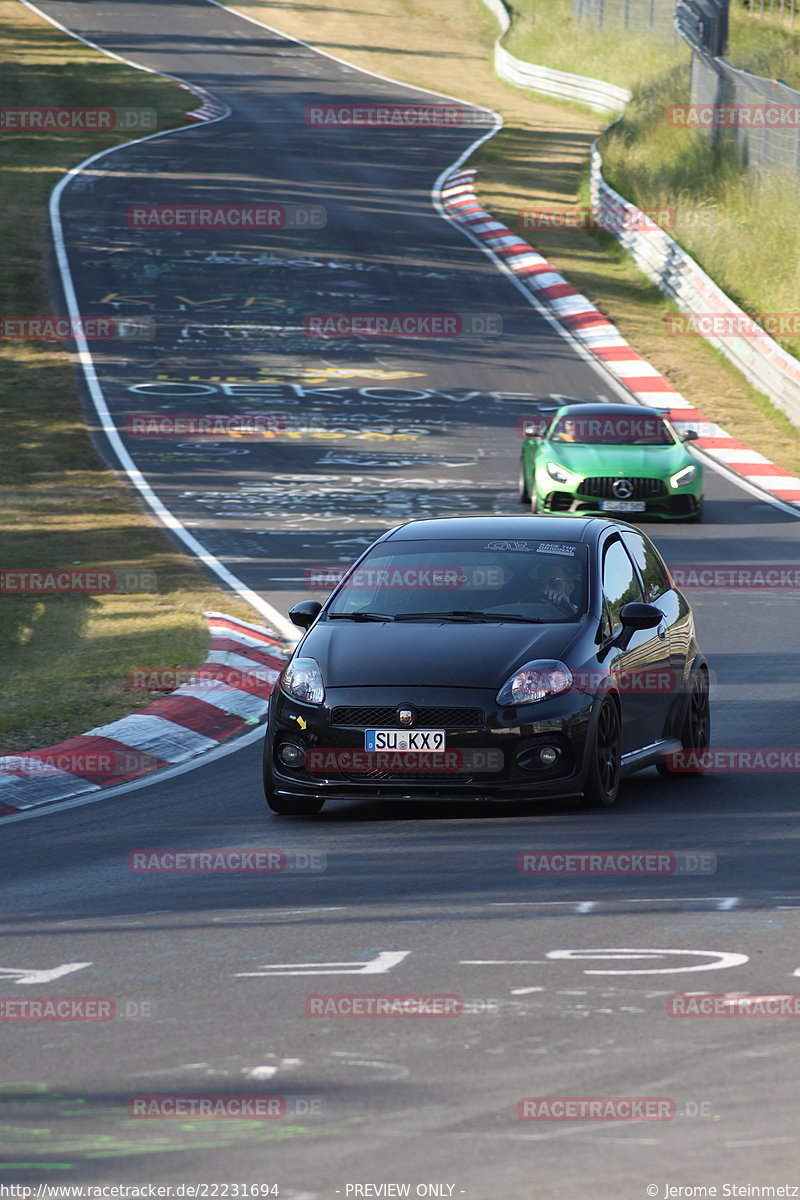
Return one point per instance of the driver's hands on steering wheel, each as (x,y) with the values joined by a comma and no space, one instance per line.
(556,589)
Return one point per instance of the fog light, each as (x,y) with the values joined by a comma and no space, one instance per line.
(290,754)
(539,758)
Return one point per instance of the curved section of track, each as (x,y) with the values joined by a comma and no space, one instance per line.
(214,970)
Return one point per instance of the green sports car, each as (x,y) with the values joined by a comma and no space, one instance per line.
(610,458)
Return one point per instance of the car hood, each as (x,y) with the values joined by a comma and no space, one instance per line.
(653,462)
(429,653)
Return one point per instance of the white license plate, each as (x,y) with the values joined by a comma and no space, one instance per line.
(409,740)
(623,506)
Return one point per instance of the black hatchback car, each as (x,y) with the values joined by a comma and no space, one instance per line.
(492,658)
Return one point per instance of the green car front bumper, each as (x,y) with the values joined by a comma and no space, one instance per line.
(649,496)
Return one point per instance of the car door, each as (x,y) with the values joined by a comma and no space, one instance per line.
(658,590)
(638,665)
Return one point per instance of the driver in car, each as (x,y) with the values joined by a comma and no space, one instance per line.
(557,582)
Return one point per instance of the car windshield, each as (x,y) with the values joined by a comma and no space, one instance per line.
(508,580)
(634,429)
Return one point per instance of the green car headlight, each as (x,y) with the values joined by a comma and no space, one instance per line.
(561,474)
(682,477)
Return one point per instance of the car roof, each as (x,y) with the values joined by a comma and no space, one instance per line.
(568,529)
(606,410)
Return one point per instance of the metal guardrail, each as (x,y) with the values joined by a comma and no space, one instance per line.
(761,360)
(594,93)
(769,367)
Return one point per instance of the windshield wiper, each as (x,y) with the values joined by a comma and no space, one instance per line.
(467,615)
(359,616)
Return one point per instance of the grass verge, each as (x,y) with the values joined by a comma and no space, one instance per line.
(742,228)
(66,659)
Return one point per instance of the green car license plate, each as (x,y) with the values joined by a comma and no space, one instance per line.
(623,505)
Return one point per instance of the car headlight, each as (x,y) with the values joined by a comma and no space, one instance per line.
(561,474)
(536,681)
(302,680)
(684,476)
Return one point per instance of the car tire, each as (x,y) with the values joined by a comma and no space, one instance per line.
(603,777)
(697,517)
(696,732)
(524,494)
(534,500)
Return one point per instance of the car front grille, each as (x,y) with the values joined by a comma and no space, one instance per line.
(426,718)
(643,489)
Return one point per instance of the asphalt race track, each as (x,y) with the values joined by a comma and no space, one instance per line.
(211,974)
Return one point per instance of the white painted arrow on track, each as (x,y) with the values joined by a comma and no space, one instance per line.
(379,965)
(28,975)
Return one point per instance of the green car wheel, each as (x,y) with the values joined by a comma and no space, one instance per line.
(524,494)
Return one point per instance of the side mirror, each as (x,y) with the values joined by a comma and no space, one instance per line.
(534,429)
(636,615)
(304,614)
(689,435)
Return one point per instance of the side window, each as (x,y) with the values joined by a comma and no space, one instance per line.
(620,584)
(653,572)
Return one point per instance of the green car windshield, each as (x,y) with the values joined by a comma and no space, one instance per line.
(614,429)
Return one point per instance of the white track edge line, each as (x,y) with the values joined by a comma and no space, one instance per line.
(157,507)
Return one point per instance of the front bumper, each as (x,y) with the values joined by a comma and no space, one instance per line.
(586,497)
(507,739)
